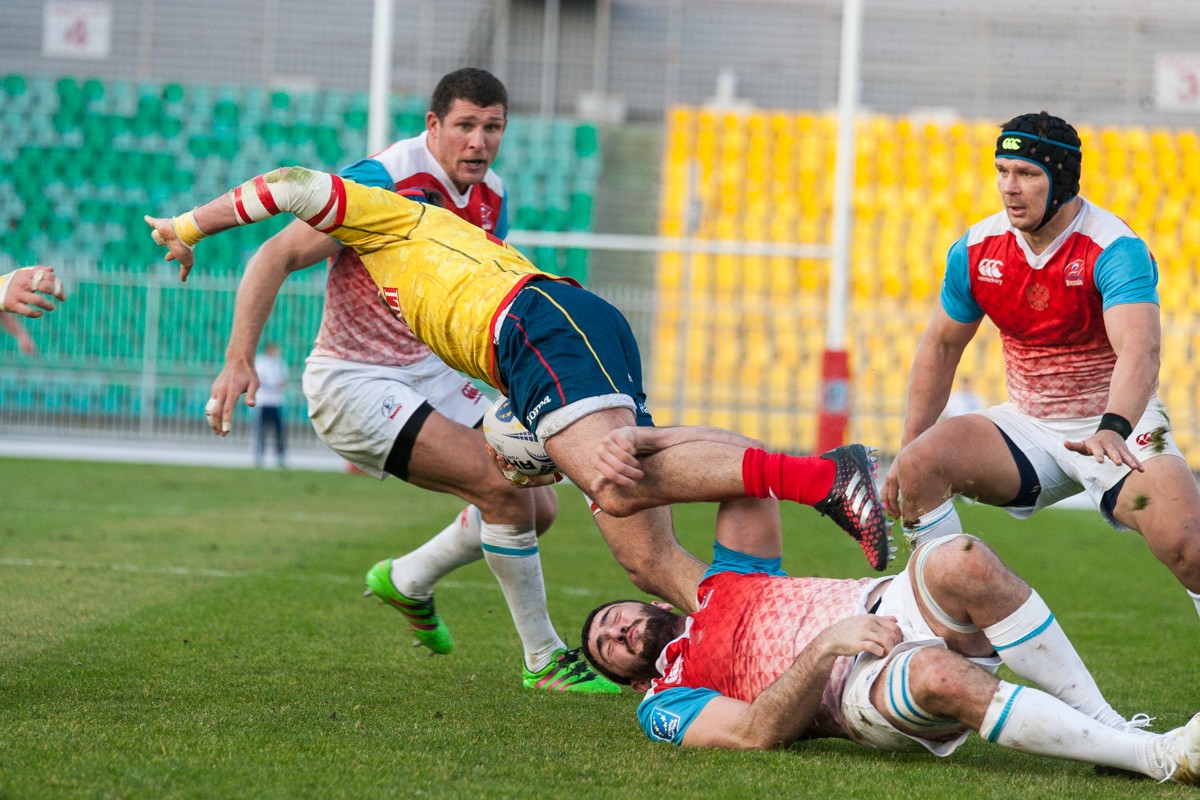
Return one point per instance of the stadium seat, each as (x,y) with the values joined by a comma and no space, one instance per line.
(919,184)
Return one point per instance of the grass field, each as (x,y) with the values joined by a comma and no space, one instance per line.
(176,632)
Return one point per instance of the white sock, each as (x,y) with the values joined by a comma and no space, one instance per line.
(1033,645)
(457,545)
(1030,721)
(1195,599)
(512,553)
(941,521)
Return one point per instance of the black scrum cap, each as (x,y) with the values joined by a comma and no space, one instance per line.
(1053,145)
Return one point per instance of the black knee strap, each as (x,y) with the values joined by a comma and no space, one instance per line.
(398,458)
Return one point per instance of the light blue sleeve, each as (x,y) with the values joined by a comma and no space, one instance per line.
(666,716)
(1126,273)
(501,231)
(726,560)
(369,172)
(956,286)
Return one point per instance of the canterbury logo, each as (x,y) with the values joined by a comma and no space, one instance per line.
(1010,143)
(991,268)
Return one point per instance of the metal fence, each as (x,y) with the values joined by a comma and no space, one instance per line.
(131,355)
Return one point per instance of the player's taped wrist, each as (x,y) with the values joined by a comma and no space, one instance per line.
(1115,423)
(187,230)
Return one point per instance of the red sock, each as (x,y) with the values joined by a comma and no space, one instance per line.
(803,479)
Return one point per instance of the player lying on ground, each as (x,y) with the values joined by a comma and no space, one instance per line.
(566,359)
(22,290)
(895,663)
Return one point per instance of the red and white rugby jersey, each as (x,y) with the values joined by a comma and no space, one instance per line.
(356,324)
(1049,308)
(750,628)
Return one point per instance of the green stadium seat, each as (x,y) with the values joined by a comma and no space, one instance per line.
(158,146)
(15,85)
(587,141)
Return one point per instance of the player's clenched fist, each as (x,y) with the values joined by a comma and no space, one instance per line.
(163,232)
(617,457)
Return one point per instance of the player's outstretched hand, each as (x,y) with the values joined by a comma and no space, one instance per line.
(163,234)
(1106,444)
(517,477)
(24,291)
(237,378)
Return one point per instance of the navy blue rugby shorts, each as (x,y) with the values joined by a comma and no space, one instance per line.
(560,344)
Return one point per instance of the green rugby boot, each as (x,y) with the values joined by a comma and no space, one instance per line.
(422,619)
(568,671)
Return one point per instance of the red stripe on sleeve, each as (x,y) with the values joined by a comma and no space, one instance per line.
(240,207)
(264,196)
(338,197)
(315,218)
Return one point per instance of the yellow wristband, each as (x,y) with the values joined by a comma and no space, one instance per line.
(187,230)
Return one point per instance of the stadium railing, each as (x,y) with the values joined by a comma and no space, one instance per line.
(81,160)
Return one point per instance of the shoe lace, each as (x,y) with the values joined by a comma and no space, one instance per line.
(1137,722)
(572,663)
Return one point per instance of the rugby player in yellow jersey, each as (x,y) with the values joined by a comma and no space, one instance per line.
(566,359)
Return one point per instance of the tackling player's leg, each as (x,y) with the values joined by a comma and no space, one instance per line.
(1163,504)
(962,454)
(502,525)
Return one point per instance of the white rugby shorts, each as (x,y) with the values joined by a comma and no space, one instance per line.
(1063,473)
(359,409)
(865,724)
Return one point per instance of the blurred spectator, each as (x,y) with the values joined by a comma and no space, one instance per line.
(268,411)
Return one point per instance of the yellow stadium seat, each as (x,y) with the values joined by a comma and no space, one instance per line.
(768,176)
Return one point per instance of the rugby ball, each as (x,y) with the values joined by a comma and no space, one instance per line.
(509,438)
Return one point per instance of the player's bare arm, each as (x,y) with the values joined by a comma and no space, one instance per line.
(292,190)
(27,291)
(783,712)
(1135,333)
(752,526)
(931,379)
(180,234)
(295,248)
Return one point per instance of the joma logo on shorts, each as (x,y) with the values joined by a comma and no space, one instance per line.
(532,415)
